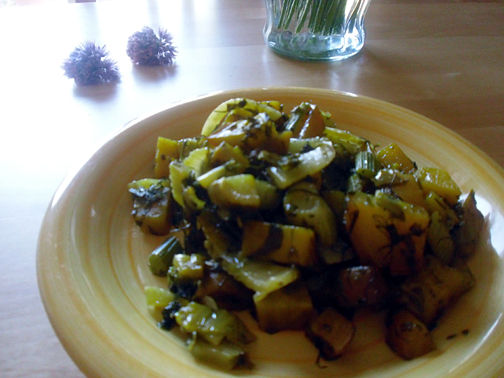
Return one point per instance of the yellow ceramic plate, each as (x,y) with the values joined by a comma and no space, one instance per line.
(92,258)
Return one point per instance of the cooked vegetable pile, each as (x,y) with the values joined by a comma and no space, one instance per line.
(300,223)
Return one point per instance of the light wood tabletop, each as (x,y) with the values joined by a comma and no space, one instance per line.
(442,59)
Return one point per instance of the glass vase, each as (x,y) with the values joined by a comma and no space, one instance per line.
(315,29)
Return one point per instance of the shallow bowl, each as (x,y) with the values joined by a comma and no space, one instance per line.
(92,269)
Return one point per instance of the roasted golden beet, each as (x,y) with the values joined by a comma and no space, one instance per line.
(331,333)
(237,191)
(392,156)
(304,207)
(361,286)
(428,293)
(227,292)
(280,243)
(306,121)
(407,336)
(152,205)
(166,151)
(261,276)
(403,185)
(440,182)
(289,308)
(387,232)
(468,234)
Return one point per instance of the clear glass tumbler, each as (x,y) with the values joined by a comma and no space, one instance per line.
(315,29)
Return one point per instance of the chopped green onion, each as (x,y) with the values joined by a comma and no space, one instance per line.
(161,258)
(366,164)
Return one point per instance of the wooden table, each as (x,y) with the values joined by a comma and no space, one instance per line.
(443,59)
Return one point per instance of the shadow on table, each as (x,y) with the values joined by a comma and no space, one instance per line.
(99,93)
(151,74)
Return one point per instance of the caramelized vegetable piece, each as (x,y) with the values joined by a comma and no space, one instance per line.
(348,288)
(306,121)
(339,252)
(392,156)
(152,205)
(331,333)
(235,192)
(270,197)
(179,174)
(234,133)
(187,145)
(157,299)
(161,259)
(468,234)
(252,132)
(224,152)
(440,240)
(207,178)
(218,240)
(408,337)
(304,165)
(336,199)
(300,145)
(403,185)
(304,207)
(227,292)
(447,214)
(289,308)
(181,284)
(261,276)
(189,267)
(348,141)
(280,243)
(439,181)
(214,120)
(225,356)
(361,286)
(198,160)
(366,224)
(357,183)
(429,293)
(166,151)
(191,200)
(212,325)
(387,232)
